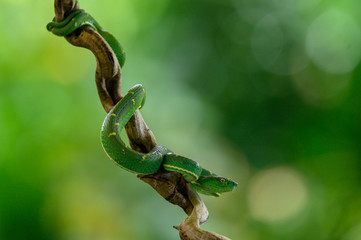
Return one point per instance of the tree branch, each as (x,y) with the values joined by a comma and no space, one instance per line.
(170,185)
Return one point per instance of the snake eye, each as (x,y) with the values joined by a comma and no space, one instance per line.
(222,180)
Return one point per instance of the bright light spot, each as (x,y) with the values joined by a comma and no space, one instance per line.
(277,47)
(321,89)
(267,41)
(294,5)
(333,42)
(276,194)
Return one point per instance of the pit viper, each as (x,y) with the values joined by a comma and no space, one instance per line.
(202,180)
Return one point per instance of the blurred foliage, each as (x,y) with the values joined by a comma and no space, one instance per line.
(265,92)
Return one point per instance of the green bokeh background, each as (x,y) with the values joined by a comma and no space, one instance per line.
(266,92)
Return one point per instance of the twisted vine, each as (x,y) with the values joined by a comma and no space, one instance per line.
(170,185)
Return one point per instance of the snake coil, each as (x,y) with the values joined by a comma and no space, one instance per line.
(202,180)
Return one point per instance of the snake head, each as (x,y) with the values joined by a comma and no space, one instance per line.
(217,184)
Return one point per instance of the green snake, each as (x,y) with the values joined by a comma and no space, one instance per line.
(202,180)
(79,18)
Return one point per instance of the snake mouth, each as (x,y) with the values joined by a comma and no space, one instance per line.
(234,185)
(229,187)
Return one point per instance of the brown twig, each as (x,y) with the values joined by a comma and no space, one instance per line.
(169,185)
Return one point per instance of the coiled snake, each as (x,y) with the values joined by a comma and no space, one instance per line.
(202,180)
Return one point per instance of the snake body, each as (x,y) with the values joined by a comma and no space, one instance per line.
(80,18)
(202,180)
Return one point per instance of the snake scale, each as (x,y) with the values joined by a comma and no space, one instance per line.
(202,180)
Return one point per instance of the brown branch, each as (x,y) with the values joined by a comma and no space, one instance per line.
(170,185)
(190,229)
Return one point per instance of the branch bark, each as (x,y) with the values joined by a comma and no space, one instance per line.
(170,185)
